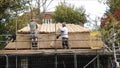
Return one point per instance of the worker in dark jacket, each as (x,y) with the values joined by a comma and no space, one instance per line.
(115,64)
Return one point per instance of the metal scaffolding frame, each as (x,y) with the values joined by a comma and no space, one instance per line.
(95,58)
(56,62)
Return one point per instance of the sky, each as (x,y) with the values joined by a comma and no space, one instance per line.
(93,8)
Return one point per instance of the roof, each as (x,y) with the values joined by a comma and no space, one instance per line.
(95,40)
(76,40)
(52,28)
(95,34)
(51,13)
(79,38)
(53,52)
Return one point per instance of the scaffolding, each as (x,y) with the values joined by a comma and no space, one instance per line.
(60,58)
(55,57)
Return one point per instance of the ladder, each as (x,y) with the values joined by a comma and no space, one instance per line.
(116,54)
(118,57)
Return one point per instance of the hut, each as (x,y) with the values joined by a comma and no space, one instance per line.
(83,49)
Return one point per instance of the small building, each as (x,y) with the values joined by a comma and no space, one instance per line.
(47,17)
(85,51)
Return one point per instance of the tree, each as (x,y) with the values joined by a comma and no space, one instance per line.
(110,29)
(68,14)
(41,7)
(10,9)
(110,24)
(10,14)
(113,4)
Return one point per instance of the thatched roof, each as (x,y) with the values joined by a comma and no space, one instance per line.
(51,28)
(79,38)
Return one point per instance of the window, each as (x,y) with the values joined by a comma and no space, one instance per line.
(24,63)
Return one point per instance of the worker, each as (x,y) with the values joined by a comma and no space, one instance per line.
(115,64)
(33,31)
(13,37)
(64,34)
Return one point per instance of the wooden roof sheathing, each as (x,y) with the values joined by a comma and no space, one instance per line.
(27,29)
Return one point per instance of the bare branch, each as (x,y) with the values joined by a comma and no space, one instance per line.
(49,3)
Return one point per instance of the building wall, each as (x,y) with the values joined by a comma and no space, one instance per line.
(47,18)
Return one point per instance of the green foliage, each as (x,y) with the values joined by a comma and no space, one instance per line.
(68,14)
(111,23)
(113,4)
(9,10)
(10,6)
(109,29)
(2,31)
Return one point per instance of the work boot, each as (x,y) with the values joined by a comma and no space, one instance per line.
(67,47)
(35,44)
(64,47)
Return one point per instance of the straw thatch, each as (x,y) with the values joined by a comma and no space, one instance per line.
(52,28)
(79,37)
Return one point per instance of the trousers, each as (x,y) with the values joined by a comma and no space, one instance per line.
(65,42)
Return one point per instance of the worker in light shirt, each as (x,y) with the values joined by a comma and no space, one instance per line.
(115,64)
(64,34)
